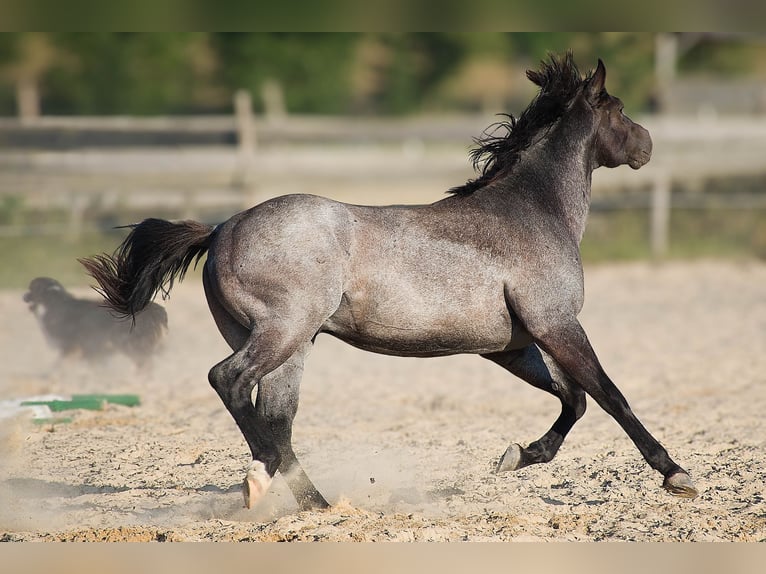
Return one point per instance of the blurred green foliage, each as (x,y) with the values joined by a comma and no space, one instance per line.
(322,73)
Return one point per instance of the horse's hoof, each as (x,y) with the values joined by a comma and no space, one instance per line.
(257,482)
(511,459)
(679,484)
(314,503)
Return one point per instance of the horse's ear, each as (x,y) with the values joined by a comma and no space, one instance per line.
(596,82)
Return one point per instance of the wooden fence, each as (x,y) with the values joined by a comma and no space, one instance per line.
(198,164)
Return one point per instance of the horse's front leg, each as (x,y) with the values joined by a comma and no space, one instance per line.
(541,371)
(568,344)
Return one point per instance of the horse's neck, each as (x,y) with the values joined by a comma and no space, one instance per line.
(560,167)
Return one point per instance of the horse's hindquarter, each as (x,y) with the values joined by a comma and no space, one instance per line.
(283,260)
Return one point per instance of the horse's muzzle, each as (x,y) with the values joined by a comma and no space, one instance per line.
(643,152)
(640,159)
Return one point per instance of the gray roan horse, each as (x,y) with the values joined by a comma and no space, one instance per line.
(492,269)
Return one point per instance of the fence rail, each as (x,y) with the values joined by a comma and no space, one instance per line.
(229,162)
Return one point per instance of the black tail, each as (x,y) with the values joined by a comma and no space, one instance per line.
(149,260)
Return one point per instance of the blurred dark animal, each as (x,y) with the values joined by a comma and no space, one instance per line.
(493,269)
(89,330)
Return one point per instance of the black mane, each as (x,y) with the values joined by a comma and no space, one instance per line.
(560,82)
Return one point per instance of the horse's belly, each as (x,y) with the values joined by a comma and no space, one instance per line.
(419,333)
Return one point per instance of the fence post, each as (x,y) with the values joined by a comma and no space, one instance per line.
(27,99)
(77,207)
(246,141)
(273,100)
(665,57)
(660,214)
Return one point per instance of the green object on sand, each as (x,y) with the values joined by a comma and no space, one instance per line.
(52,420)
(125,400)
(57,405)
(87,402)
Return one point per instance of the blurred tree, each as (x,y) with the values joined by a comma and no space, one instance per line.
(485,77)
(532,47)
(122,73)
(728,55)
(312,70)
(629,58)
(330,73)
(8,56)
(416,65)
(26,57)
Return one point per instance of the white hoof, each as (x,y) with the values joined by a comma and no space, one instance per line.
(679,484)
(256,484)
(510,460)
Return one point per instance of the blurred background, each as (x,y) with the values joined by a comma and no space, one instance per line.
(99,130)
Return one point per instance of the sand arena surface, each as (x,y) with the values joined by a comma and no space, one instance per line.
(404,448)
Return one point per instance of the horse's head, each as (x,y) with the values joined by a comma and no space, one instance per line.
(618,140)
(575,109)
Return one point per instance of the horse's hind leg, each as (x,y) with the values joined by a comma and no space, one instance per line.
(276,405)
(267,424)
(540,370)
(273,361)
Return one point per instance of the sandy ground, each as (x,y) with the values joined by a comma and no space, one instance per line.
(404,448)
